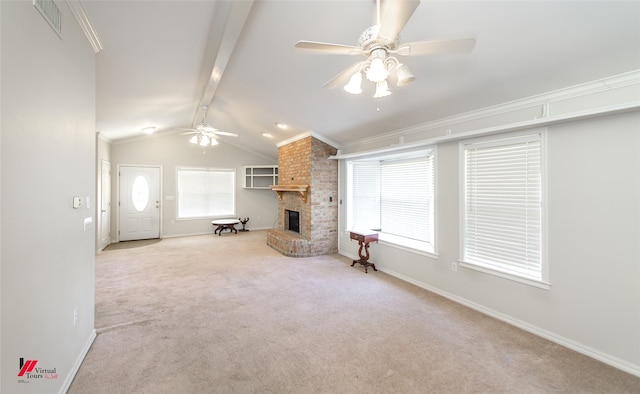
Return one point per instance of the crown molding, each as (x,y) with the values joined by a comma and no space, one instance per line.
(543,101)
(103,138)
(633,106)
(78,11)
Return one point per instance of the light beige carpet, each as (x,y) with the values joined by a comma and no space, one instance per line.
(210,314)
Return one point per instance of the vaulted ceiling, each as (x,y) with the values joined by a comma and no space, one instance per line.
(161,61)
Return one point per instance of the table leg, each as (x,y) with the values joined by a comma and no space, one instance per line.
(224,226)
(364,259)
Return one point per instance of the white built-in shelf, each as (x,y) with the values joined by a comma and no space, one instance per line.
(260,176)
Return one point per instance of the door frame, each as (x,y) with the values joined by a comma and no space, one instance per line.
(100,203)
(117,194)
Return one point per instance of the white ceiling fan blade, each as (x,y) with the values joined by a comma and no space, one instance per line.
(436,47)
(338,49)
(218,132)
(394,15)
(344,76)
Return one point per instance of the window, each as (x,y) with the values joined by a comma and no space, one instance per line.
(206,192)
(394,195)
(502,206)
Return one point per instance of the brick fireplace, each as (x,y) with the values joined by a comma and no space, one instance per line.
(308,184)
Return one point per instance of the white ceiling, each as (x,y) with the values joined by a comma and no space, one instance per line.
(158,58)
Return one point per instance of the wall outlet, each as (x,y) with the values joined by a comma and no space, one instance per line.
(454,266)
(75,316)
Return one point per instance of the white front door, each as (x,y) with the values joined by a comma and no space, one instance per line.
(105,204)
(139,203)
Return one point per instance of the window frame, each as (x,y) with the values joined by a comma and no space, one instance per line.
(231,171)
(415,246)
(543,281)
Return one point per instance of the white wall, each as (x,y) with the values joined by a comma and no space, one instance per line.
(593,305)
(1,167)
(173,150)
(48,157)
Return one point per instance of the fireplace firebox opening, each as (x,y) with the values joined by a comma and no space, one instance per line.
(292,220)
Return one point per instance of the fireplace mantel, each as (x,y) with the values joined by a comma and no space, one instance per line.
(300,189)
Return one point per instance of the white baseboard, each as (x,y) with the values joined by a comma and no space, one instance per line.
(208,233)
(186,235)
(195,234)
(258,228)
(76,366)
(560,340)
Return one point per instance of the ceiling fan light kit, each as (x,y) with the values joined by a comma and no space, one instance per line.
(203,140)
(379,43)
(204,134)
(378,71)
(404,75)
(382,89)
(355,84)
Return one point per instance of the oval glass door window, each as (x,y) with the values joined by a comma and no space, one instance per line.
(140,193)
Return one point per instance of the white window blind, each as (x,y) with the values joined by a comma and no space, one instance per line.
(394,196)
(365,195)
(204,192)
(406,197)
(502,223)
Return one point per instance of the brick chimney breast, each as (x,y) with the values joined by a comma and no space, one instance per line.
(305,162)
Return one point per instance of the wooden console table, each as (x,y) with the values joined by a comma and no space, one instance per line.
(363,239)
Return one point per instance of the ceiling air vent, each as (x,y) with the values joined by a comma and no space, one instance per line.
(51,14)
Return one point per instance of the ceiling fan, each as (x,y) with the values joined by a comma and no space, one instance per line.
(380,43)
(204,134)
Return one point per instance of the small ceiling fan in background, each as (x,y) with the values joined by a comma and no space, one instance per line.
(379,43)
(206,135)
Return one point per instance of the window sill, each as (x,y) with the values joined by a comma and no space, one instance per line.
(527,281)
